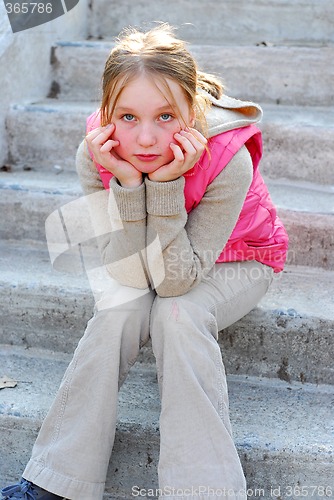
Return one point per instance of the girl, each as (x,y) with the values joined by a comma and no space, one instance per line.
(190,240)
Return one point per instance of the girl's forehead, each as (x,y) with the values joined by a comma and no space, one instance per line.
(154,89)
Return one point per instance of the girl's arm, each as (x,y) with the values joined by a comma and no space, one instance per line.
(118,217)
(191,244)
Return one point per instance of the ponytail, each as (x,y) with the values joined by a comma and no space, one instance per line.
(210,84)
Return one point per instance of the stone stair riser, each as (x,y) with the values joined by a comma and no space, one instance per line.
(37,315)
(298,151)
(135,458)
(291,150)
(27,212)
(277,344)
(279,75)
(44,137)
(311,236)
(270,459)
(285,344)
(228,22)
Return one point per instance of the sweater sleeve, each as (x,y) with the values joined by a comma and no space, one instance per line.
(118,218)
(182,248)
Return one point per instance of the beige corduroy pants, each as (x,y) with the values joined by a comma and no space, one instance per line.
(198,459)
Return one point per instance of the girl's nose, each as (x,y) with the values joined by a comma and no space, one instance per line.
(146,136)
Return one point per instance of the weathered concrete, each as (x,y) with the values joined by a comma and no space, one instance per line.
(283,431)
(279,338)
(279,75)
(276,52)
(311,239)
(289,335)
(29,197)
(298,143)
(227,22)
(25,60)
(63,129)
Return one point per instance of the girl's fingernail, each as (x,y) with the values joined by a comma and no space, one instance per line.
(109,125)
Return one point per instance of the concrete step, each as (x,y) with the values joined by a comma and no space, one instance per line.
(62,126)
(283,431)
(273,74)
(297,140)
(307,210)
(229,22)
(290,335)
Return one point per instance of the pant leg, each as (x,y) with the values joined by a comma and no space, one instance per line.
(72,451)
(198,458)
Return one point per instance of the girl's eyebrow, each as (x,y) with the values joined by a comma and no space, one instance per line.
(123,109)
(167,107)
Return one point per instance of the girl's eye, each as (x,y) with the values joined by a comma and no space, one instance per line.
(128,117)
(165,117)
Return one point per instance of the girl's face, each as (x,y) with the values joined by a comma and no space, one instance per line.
(146,123)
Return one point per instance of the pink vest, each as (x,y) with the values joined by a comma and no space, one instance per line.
(258,234)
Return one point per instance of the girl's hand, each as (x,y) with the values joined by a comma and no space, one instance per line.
(101,145)
(189,150)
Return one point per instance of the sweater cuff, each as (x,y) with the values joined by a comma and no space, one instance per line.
(130,202)
(165,198)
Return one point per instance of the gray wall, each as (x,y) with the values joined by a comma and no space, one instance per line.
(25,60)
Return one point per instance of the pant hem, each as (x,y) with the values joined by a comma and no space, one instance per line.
(62,485)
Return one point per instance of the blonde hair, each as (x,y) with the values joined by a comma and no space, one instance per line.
(159,54)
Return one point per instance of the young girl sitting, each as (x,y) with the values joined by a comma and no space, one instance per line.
(190,240)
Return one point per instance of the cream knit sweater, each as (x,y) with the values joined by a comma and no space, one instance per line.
(147,237)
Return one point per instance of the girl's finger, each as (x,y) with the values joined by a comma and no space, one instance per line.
(108,145)
(186,143)
(177,151)
(195,138)
(100,134)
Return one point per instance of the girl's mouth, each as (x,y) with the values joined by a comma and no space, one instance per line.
(147,158)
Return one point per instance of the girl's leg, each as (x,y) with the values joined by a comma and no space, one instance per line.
(198,458)
(72,451)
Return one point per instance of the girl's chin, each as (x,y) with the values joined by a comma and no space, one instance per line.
(146,169)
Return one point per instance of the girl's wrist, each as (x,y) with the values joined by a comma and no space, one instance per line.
(130,184)
(155,178)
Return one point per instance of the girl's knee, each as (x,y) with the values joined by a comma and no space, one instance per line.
(174,316)
(168,310)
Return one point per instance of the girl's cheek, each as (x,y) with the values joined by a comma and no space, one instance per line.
(172,137)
